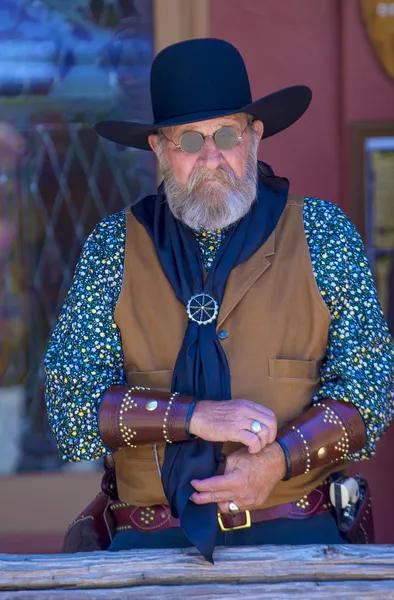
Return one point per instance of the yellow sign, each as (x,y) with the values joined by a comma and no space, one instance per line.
(378,16)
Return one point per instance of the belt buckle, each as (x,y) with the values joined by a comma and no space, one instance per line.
(248,522)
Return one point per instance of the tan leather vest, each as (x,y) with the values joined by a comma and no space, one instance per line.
(277,324)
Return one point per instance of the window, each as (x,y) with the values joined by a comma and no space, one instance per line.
(63,66)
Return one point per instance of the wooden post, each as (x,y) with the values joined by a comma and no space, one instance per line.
(177,20)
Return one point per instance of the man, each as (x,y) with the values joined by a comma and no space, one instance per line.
(223,339)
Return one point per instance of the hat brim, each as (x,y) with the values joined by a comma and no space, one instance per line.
(277,111)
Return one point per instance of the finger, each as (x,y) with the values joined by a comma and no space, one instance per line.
(249,439)
(264,436)
(266,411)
(270,424)
(273,433)
(259,407)
(214,484)
(210,497)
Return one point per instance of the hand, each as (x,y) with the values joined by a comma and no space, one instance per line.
(248,479)
(231,420)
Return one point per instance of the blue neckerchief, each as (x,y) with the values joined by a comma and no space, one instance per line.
(201,369)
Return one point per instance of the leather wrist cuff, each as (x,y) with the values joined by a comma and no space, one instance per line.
(327,432)
(134,416)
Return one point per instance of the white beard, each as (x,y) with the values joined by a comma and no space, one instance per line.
(214,204)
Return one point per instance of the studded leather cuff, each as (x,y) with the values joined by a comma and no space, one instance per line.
(326,433)
(134,416)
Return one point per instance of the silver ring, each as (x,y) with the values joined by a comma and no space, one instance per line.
(256,427)
(232,507)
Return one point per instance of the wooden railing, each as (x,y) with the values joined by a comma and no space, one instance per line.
(254,572)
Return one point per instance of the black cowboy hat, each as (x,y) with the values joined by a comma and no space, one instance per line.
(202,79)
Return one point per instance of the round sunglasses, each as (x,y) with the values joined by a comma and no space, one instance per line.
(191,142)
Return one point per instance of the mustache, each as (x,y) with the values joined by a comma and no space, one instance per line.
(223,175)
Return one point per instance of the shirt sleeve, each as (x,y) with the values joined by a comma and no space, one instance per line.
(84,356)
(359,362)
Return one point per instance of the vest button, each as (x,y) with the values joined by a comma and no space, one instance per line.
(222,334)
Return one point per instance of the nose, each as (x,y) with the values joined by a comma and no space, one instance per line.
(210,155)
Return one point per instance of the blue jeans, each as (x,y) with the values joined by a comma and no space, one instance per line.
(321,529)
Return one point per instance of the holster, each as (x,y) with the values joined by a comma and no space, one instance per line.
(94,528)
(357,527)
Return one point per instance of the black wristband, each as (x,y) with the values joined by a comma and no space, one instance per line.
(188,419)
(288,460)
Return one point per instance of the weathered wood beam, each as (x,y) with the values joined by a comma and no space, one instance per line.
(242,565)
(349,590)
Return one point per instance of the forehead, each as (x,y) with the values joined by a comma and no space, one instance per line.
(208,126)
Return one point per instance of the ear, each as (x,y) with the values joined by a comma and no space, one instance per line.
(153,142)
(258,127)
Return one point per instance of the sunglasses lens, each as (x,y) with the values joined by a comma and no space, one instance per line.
(191,142)
(226,138)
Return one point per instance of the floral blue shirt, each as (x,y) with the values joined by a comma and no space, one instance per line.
(84,356)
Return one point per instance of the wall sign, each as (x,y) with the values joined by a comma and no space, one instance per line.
(378,16)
